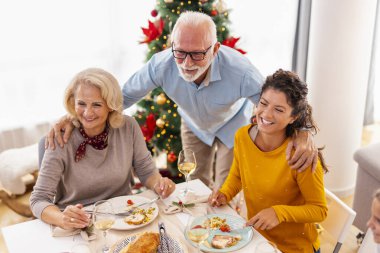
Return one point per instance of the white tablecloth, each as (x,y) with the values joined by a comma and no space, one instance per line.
(35,236)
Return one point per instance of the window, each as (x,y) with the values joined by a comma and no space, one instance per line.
(44,44)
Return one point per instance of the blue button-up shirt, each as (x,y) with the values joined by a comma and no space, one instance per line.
(219,106)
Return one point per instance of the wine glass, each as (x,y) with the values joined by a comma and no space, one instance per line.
(197,230)
(186,165)
(103,219)
(266,247)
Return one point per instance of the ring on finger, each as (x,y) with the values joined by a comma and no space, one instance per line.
(72,219)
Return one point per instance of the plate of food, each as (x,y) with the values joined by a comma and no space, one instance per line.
(146,242)
(227,233)
(140,217)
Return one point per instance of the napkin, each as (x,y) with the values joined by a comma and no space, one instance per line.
(192,204)
(87,234)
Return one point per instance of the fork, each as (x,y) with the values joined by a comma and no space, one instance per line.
(130,211)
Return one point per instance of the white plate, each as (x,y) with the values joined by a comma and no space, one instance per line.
(175,245)
(120,205)
(235,222)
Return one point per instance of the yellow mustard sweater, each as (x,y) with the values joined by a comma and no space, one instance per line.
(267,181)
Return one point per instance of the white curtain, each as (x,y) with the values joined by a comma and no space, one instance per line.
(45,43)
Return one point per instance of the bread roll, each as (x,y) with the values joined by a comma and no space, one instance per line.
(148,242)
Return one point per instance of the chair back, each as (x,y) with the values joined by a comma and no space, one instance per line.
(41,151)
(339,219)
(368,244)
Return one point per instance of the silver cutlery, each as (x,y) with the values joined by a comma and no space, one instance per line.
(131,210)
(164,240)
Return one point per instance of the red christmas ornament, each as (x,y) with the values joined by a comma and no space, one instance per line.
(153,31)
(231,42)
(172,157)
(214,12)
(154,13)
(149,127)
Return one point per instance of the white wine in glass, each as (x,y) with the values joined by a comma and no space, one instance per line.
(103,219)
(197,233)
(186,165)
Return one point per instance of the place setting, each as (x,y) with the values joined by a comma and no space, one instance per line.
(217,233)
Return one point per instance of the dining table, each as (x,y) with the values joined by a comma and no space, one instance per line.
(36,236)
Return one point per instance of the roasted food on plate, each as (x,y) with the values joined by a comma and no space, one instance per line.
(224,241)
(140,216)
(218,223)
(134,219)
(147,242)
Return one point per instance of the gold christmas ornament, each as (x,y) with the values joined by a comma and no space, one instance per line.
(160,123)
(168,1)
(161,99)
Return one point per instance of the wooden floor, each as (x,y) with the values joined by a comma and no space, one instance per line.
(370,134)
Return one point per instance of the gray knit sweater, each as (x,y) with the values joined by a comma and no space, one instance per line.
(101,174)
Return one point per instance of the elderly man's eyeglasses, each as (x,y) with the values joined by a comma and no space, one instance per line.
(195,56)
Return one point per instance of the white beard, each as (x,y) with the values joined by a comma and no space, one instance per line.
(191,78)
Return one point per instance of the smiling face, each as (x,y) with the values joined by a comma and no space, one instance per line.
(374,222)
(189,39)
(91,109)
(273,113)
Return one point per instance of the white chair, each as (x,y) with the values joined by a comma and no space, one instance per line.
(368,244)
(339,219)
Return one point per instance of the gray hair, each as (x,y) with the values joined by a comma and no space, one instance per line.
(196,19)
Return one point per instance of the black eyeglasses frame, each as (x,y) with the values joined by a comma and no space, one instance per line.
(190,53)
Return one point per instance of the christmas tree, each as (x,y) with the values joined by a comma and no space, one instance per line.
(157,114)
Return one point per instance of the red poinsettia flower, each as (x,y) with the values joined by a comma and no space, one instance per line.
(149,127)
(153,31)
(231,42)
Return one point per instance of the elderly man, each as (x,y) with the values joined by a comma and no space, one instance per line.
(215,88)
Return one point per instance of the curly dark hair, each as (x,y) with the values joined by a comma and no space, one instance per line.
(296,92)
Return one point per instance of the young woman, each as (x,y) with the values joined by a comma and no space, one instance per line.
(282,204)
(98,160)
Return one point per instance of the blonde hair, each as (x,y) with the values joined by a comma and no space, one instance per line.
(196,20)
(109,89)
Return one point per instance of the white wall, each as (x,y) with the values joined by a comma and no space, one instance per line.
(338,68)
(44,44)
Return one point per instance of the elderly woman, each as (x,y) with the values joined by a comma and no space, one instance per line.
(97,163)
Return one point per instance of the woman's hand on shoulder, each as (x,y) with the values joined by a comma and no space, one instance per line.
(217,198)
(265,219)
(75,217)
(164,187)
